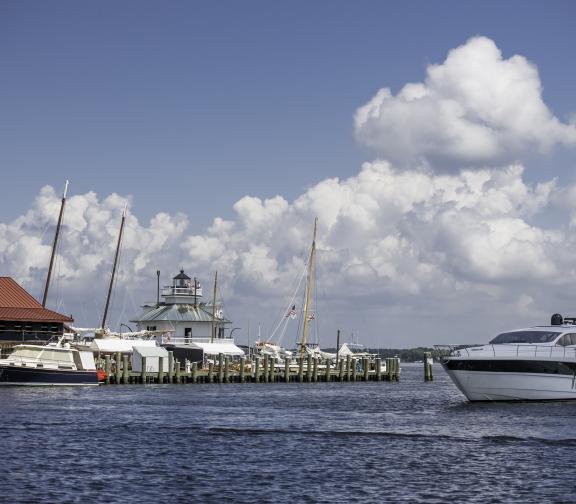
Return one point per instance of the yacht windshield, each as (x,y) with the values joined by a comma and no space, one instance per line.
(525,337)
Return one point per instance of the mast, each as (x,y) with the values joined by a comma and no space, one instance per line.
(114,268)
(214,308)
(308,289)
(55,245)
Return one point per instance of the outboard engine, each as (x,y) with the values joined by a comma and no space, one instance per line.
(557,319)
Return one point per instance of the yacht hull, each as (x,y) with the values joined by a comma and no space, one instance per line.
(513,385)
(16,375)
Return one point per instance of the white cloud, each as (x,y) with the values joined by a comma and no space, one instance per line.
(476,108)
(407,255)
(390,241)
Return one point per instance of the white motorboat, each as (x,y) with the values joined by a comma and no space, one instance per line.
(52,364)
(536,363)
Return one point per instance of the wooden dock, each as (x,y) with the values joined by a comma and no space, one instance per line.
(257,370)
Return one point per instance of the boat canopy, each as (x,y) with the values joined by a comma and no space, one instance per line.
(111,345)
(218,348)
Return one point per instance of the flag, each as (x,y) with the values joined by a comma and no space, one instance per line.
(311,316)
(292,312)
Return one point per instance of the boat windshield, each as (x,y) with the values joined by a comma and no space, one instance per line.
(525,337)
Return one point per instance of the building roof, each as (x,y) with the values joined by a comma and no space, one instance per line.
(179,313)
(181,276)
(18,305)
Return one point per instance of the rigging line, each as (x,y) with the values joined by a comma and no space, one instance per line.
(290,304)
(296,282)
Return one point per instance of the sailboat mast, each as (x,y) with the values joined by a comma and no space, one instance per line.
(308,289)
(55,245)
(214,308)
(114,268)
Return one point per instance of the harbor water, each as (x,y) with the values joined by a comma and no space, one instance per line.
(324,442)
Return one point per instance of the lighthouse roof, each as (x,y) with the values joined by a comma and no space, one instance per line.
(180,313)
(181,276)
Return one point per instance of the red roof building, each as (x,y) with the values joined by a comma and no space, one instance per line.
(22,318)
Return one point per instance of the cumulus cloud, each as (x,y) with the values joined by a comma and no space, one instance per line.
(390,239)
(477,108)
(406,254)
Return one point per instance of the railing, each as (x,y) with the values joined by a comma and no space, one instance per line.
(509,351)
(187,341)
(181,291)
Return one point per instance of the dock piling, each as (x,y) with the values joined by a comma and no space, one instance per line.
(107,368)
(125,370)
(170,367)
(428,367)
(143,371)
(160,369)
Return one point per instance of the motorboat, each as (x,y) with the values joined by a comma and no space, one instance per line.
(52,364)
(535,363)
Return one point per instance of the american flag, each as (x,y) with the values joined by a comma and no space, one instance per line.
(311,316)
(292,312)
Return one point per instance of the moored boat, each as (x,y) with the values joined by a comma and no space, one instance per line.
(52,364)
(535,363)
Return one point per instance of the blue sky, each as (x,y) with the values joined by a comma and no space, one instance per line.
(188,106)
(211,109)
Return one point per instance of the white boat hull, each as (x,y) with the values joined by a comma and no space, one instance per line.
(507,386)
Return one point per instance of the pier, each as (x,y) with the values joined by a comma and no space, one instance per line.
(257,370)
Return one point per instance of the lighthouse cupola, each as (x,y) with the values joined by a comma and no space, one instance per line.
(183,290)
(181,280)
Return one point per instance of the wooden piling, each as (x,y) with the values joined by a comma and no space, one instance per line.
(170,367)
(143,371)
(366,364)
(125,370)
(226,369)
(177,371)
(328,377)
(300,369)
(286,370)
(266,368)
(354,371)
(160,369)
(242,366)
(118,373)
(341,371)
(309,368)
(194,372)
(211,372)
(273,370)
(348,368)
(107,368)
(378,363)
(257,370)
(315,369)
(428,366)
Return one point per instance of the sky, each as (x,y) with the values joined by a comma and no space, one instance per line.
(434,141)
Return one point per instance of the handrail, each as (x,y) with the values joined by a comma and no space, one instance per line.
(508,350)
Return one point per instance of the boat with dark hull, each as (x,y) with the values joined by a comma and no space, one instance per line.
(52,364)
(532,364)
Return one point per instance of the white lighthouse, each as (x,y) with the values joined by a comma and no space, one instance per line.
(187,321)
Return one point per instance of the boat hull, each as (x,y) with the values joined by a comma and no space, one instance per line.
(555,381)
(16,375)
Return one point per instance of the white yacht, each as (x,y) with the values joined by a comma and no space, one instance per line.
(536,363)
